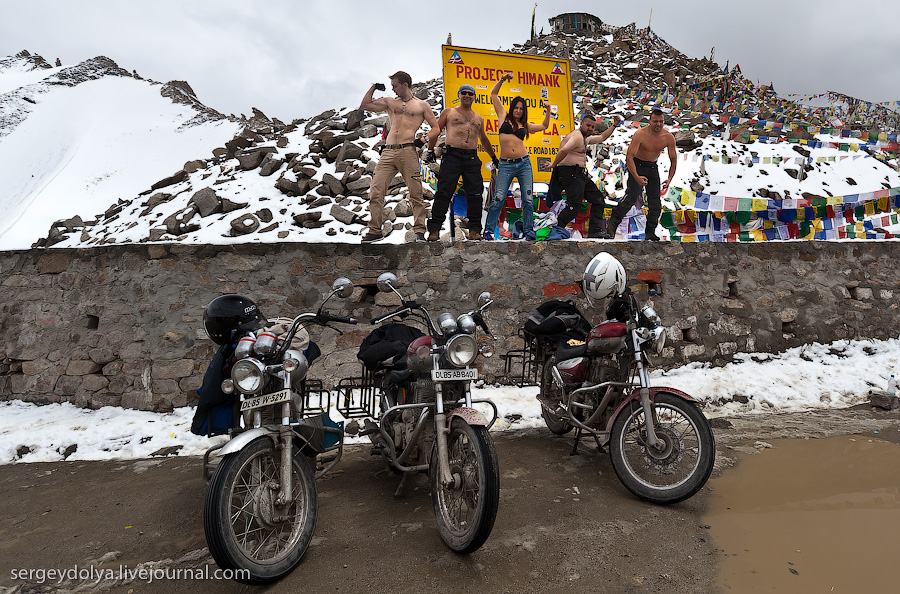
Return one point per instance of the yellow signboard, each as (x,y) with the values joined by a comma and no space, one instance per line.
(535,79)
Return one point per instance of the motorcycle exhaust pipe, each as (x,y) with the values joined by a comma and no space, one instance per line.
(557,378)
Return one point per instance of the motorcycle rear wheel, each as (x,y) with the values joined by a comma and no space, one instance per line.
(551,393)
(684,465)
(242,524)
(465,512)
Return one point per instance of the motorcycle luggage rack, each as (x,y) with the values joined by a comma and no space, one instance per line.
(315,398)
(358,397)
(522,367)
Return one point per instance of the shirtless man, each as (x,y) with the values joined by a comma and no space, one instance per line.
(572,174)
(465,129)
(406,114)
(645,148)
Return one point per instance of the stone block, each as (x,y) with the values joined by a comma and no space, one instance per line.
(82,367)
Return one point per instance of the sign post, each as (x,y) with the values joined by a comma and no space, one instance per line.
(535,79)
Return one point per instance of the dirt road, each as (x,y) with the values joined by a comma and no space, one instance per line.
(565,522)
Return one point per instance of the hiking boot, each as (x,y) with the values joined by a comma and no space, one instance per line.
(370,237)
(434,235)
(488,236)
(474,236)
(651,237)
(420,237)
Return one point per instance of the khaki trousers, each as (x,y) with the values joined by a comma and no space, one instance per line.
(405,161)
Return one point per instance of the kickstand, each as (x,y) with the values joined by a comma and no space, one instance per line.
(574,451)
(599,447)
(399,491)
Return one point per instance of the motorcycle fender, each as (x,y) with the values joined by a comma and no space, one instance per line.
(243,439)
(469,415)
(636,395)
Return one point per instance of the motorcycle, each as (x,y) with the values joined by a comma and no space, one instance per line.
(416,401)
(262,501)
(595,378)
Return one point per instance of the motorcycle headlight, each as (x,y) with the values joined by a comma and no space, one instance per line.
(659,339)
(447,324)
(247,375)
(466,323)
(461,350)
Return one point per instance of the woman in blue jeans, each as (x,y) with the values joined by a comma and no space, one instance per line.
(514,159)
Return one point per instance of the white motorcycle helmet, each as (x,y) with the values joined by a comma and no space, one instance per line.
(603,277)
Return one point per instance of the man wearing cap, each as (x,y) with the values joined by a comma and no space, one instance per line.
(465,129)
(406,114)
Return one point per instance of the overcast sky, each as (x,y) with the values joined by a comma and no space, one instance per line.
(297,58)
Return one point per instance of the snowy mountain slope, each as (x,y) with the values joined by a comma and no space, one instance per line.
(74,140)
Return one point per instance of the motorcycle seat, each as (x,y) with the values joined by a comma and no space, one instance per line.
(398,376)
(566,351)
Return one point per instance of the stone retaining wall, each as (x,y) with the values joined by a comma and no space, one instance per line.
(121,325)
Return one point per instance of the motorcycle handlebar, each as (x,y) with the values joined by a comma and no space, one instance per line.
(327,317)
(398,312)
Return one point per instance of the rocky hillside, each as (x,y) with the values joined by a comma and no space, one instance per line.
(308,180)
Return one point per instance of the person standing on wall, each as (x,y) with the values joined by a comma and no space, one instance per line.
(406,114)
(570,165)
(465,129)
(514,159)
(645,148)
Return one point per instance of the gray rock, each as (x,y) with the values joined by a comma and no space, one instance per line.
(244,224)
(157,199)
(229,206)
(252,157)
(354,119)
(343,215)
(304,217)
(349,151)
(192,166)
(206,201)
(264,215)
(270,164)
(403,209)
(170,181)
(318,202)
(333,183)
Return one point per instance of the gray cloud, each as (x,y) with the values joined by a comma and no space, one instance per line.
(295,59)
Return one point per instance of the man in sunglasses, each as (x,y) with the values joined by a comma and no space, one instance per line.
(465,129)
(406,114)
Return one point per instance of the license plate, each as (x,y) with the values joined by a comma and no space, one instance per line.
(450,375)
(266,399)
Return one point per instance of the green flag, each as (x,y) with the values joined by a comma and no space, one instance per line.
(532,21)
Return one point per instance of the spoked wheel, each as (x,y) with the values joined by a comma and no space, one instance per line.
(672,473)
(550,395)
(246,530)
(465,510)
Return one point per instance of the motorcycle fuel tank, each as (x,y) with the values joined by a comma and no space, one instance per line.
(608,337)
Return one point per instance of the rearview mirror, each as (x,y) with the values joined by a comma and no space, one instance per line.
(386,282)
(342,287)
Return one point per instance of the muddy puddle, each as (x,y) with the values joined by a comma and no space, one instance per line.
(813,515)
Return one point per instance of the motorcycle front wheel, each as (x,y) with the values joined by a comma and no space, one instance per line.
(677,471)
(245,530)
(551,394)
(465,510)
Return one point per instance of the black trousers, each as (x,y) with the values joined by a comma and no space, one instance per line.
(457,163)
(578,186)
(654,207)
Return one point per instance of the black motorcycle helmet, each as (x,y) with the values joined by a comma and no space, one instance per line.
(228,313)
